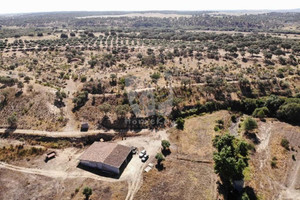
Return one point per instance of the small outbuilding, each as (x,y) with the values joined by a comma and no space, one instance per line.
(107,156)
(84,127)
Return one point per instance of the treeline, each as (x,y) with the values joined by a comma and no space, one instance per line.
(283,108)
(269,22)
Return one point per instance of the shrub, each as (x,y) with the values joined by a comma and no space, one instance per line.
(216,128)
(250,124)
(63,36)
(122,110)
(274,162)
(285,143)
(80,99)
(159,157)
(87,192)
(12,120)
(180,123)
(273,103)
(260,112)
(83,78)
(165,144)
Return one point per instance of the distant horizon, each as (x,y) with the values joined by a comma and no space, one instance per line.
(37,6)
(149,11)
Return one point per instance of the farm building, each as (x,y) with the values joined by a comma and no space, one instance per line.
(109,157)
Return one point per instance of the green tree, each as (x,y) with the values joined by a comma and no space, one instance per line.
(253,50)
(113,81)
(93,62)
(273,103)
(285,143)
(165,144)
(250,124)
(260,112)
(60,95)
(180,123)
(231,157)
(80,99)
(63,36)
(155,76)
(87,192)
(105,107)
(245,196)
(289,112)
(12,120)
(122,110)
(159,157)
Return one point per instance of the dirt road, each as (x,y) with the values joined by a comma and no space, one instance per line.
(63,134)
(152,144)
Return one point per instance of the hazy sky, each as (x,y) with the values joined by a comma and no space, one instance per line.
(15,6)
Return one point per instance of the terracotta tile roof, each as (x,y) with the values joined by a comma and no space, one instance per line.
(105,152)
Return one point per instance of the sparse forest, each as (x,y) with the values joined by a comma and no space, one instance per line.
(219,88)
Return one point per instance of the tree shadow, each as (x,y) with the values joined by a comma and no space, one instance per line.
(160,166)
(229,193)
(252,136)
(166,152)
(250,192)
(19,93)
(59,104)
(8,131)
(222,189)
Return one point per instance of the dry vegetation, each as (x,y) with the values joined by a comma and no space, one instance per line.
(184,176)
(16,184)
(60,69)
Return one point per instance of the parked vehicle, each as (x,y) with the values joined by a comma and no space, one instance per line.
(145,158)
(142,153)
(50,156)
(133,150)
(149,167)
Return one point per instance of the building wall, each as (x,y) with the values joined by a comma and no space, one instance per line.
(100,166)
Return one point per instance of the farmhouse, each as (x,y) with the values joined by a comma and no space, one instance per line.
(109,157)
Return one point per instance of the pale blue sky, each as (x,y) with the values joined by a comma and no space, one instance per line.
(16,6)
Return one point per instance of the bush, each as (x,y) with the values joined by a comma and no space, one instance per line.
(87,192)
(260,112)
(273,103)
(180,123)
(216,128)
(80,99)
(274,162)
(165,144)
(285,143)
(250,124)
(12,120)
(159,157)
(83,78)
(63,36)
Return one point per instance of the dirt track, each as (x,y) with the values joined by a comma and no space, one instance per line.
(73,134)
